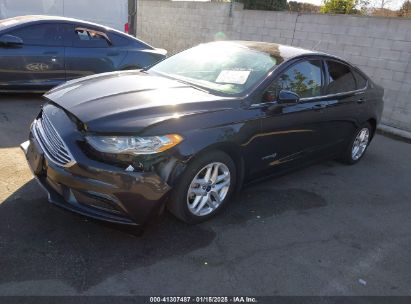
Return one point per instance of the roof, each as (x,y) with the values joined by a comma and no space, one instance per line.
(282,51)
(10,22)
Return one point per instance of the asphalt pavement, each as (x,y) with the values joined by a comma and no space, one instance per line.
(329,229)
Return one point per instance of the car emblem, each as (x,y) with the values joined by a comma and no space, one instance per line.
(37,66)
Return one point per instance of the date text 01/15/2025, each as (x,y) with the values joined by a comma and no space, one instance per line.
(204,299)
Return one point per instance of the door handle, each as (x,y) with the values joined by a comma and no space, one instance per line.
(112,54)
(50,53)
(361,97)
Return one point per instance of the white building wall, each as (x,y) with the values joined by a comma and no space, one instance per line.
(112,13)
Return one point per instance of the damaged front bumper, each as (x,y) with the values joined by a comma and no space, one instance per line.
(95,189)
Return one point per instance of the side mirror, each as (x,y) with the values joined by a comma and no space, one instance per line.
(288,97)
(10,41)
(270,96)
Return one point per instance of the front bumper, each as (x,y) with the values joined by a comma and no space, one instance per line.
(95,189)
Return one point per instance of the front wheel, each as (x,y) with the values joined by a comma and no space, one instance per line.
(358,145)
(205,186)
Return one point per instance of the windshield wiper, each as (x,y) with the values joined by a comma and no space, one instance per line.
(200,88)
(186,82)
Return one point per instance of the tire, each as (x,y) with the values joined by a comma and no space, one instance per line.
(212,195)
(349,156)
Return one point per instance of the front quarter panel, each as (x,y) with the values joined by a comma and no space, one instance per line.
(227,130)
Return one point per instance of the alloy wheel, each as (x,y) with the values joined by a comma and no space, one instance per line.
(360,143)
(208,189)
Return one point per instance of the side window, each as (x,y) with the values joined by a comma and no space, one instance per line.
(141,45)
(90,38)
(361,80)
(341,78)
(303,78)
(119,40)
(47,34)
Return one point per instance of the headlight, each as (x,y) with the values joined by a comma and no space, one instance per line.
(132,144)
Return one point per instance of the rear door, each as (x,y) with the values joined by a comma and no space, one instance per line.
(39,63)
(345,94)
(91,52)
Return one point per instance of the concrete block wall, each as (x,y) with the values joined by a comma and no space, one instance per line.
(380,46)
(176,26)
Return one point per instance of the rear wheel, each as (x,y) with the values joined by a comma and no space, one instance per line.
(358,144)
(205,186)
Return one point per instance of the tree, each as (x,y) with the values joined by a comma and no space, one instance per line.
(339,7)
(295,6)
(381,8)
(382,12)
(270,5)
(405,10)
(344,6)
(381,4)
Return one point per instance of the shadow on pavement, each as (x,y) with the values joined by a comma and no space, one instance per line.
(39,241)
(17,111)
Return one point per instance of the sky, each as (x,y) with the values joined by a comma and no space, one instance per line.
(391,4)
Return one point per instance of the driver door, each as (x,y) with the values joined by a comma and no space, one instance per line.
(37,64)
(293,132)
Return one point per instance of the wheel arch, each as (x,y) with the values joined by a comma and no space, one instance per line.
(373,122)
(232,150)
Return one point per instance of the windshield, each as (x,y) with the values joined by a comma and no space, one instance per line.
(224,67)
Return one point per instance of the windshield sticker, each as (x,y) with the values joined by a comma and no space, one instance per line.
(233,76)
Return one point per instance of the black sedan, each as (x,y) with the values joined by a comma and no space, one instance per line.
(40,52)
(190,131)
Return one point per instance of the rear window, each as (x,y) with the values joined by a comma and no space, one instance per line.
(119,40)
(361,80)
(341,78)
(90,38)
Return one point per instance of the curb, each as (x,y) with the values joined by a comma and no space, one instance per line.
(394,132)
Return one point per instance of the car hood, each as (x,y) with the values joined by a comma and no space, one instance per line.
(130,101)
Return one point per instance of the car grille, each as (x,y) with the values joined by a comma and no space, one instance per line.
(51,142)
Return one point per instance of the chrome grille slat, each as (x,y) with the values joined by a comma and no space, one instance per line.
(53,146)
(63,153)
(50,132)
(46,140)
(47,133)
(51,150)
(51,142)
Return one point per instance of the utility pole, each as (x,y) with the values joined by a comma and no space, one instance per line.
(132,17)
